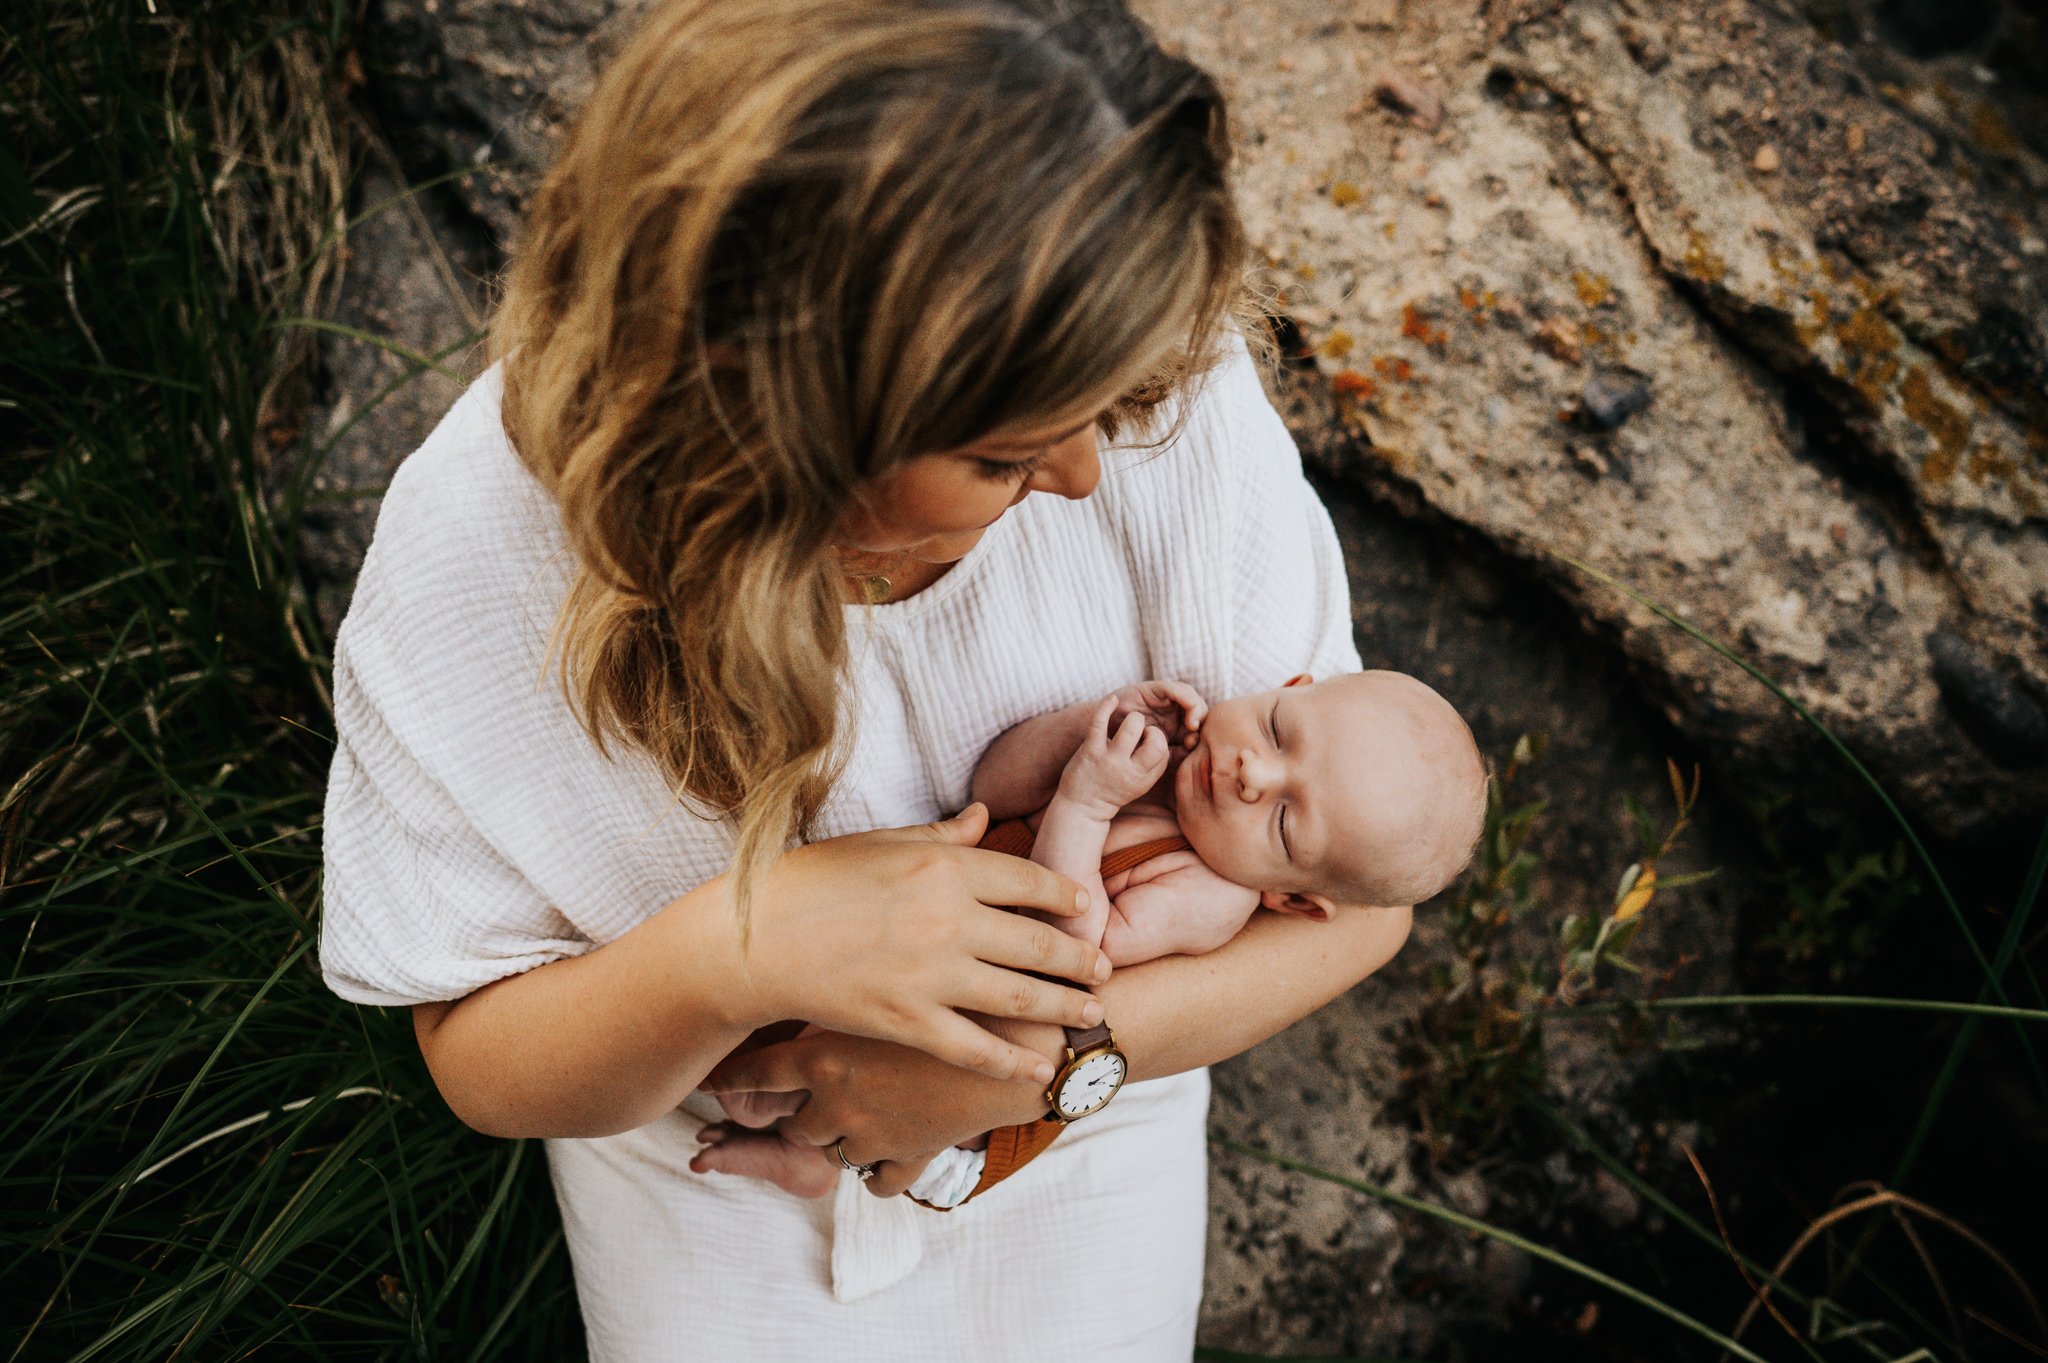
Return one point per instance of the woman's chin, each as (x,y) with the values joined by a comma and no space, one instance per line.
(948,548)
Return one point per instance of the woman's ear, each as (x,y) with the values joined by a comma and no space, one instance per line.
(1299,679)
(1314,906)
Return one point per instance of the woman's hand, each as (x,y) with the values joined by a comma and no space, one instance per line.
(888,934)
(891,1106)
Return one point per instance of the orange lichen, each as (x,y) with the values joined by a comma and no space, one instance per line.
(1344,194)
(1821,312)
(1416,327)
(1353,386)
(1867,331)
(1594,290)
(1393,367)
(1947,423)
(1387,231)
(1701,261)
(1873,375)
(1337,344)
(1475,303)
(1305,270)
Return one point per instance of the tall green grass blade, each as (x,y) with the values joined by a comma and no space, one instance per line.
(2015,933)
(1679,1003)
(1992,977)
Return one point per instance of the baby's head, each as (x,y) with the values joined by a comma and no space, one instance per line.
(1362,789)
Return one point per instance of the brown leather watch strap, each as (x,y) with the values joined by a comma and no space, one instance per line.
(1010,1148)
(1080,1039)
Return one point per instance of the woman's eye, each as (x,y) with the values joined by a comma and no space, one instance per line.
(997,472)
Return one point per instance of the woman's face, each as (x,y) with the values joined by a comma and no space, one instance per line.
(935,508)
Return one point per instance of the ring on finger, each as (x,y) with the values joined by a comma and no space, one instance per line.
(863,1172)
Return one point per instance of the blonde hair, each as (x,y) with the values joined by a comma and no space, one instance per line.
(789,245)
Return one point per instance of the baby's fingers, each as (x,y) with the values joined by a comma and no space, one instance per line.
(1129,734)
(1193,708)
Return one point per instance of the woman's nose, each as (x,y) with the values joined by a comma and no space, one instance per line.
(1072,468)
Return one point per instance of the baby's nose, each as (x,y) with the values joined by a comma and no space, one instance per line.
(1254,776)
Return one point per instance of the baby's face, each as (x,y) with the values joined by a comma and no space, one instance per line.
(1290,790)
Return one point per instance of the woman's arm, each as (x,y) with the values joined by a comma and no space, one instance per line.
(1169,1015)
(887,934)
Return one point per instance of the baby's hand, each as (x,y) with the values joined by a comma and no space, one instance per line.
(1175,707)
(1121,759)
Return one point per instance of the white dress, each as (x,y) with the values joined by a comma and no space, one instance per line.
(473,832)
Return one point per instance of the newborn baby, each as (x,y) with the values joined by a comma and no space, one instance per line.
(1365,789)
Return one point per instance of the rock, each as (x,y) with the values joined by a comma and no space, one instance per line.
(1419,100)
(1376,13)
(1611,396)
(2008,724)
(1613,1201)
(411,282)
(1851,368)
(1766,160)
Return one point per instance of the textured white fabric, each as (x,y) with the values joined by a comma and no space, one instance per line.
(474,832)
(950,1177)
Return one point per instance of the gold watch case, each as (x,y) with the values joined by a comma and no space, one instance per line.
(1083,1049)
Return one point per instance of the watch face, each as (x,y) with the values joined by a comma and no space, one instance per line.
(1091,1084)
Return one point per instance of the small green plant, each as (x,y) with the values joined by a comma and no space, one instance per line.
(1480,1042)
(1591,941)
(1835,900)
(1476,1044)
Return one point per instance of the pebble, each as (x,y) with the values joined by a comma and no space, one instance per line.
(2007,723)
(1766,161)
(1412,96)
(1611,396)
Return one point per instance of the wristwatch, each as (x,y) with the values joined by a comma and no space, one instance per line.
(1094,1070)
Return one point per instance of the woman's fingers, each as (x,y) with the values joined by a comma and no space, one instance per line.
(1007,994)
(955,1040)
(895,1176)
(1003,881)
(1023,943)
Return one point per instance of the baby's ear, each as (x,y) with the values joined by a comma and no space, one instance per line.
(1313,906)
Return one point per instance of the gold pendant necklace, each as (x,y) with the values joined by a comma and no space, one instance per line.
(868,585)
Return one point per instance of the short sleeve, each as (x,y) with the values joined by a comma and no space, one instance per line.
(438,830)
(1290,601)
(417,905)
(1239,578)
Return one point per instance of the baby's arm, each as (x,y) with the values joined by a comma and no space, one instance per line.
(1175,905)
(1106,772)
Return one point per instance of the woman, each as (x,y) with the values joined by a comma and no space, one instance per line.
(819,293)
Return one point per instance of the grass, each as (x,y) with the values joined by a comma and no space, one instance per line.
(205,1154)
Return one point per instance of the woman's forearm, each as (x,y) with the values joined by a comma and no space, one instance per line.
(1178,1012)
(595,1044)
(1020,770)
